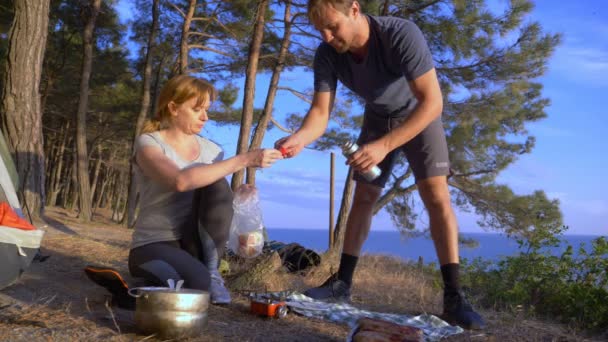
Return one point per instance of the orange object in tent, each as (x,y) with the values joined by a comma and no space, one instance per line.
(9,218)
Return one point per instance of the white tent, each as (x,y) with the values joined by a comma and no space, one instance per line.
(17,247)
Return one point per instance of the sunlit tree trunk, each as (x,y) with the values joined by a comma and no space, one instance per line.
(262,125)
(20,111)
(252,69)
(132,197)
(82,162)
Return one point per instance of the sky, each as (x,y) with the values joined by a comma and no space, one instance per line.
(569,161)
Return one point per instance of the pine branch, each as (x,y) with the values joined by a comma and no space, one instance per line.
(206,48)
(279,126)
(411,11)
(395,190)
(178,10)
(302,96)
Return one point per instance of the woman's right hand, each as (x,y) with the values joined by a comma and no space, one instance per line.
(263,158)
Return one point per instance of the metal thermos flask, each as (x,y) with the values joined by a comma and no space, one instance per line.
(349,148)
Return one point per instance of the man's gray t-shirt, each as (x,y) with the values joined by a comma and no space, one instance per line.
(397,53)
(163,211)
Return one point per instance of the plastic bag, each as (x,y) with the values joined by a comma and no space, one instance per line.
(247,229)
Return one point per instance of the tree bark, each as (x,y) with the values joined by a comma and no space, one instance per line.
(132,197)
(147,77)
(54,184)
(156,91)
(118,209)
(96,171)
(20,102)
(107,179)
(252,68)
(183,50)
(82,162)
(262,125)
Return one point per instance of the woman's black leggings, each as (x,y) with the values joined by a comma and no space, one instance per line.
(202,245)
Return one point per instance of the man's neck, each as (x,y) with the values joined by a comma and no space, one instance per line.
(361,42)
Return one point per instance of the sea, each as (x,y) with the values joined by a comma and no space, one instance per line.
(490,246)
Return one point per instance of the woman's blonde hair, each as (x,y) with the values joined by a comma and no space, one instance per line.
(179,89)
(316,6)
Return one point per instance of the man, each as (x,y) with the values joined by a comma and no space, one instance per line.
(387,62)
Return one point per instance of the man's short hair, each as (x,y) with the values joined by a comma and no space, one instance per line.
(315,6)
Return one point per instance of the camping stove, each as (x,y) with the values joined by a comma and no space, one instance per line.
(267,305)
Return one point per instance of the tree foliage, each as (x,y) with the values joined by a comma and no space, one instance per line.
(488,58)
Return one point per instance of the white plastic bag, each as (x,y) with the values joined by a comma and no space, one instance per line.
(247,229)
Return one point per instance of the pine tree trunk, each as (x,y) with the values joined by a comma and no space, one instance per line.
(107,200)
(73,193)
(84,184)
(105,180)
(57,167)
(183,50)
(131,205)
(20,103)
(51,148)
(118,208)
(157,78)
(262,125)
(347,199)
(96,172)
(252,69)
(147,76)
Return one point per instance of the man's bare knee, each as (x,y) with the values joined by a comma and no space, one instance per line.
(435,194)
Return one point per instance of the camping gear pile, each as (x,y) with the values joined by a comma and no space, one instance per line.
(19,240)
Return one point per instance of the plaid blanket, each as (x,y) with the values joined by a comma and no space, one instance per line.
(433,327)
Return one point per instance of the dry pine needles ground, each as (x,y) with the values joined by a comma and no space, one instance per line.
(54,301)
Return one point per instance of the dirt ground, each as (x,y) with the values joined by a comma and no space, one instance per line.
(55,301)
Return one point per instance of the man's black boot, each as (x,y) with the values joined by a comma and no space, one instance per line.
(333,289)
(458,311)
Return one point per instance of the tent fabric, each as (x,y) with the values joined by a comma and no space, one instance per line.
(9,218)
(19,240)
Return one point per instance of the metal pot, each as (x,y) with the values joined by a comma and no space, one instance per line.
(170,313)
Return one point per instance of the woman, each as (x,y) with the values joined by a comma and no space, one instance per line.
(185,201)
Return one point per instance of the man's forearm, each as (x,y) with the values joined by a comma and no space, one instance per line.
(313,127)
(418,120)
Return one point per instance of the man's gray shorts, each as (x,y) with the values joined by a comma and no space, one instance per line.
(427,153)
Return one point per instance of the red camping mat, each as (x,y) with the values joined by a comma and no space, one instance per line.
(9,218)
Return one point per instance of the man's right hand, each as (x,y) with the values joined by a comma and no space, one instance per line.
(290,146)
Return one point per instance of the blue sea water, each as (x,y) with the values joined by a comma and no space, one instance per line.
(491,246)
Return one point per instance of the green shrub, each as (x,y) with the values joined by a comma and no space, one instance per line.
(572,289)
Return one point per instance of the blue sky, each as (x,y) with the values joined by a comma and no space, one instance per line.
(569,161)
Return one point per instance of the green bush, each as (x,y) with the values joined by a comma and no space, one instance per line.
(572,289)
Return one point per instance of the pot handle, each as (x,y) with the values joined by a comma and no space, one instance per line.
(134,292)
